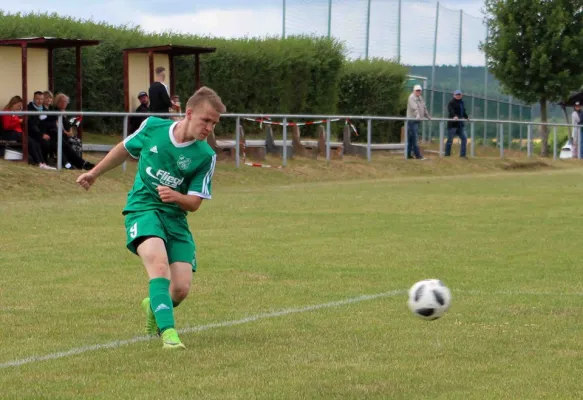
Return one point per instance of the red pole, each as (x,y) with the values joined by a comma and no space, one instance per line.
(172,75)
(79,85)
(151,62)
(25,102)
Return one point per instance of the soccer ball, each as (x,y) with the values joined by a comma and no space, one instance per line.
(429,299)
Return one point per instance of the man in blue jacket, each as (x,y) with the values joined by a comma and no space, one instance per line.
(457,111)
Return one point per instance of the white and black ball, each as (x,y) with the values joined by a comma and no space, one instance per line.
(429,299)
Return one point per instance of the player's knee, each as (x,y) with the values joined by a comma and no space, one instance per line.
(158,269)
(179,292)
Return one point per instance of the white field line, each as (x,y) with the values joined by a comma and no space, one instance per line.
(200,328)
(119,343)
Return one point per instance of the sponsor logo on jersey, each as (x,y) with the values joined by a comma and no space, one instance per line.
(164,178)
(183,162)
(154,149)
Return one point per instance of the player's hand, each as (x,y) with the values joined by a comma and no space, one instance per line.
(86,180)
(167,195)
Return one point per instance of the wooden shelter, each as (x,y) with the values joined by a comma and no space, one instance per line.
(28,65)
(140,63)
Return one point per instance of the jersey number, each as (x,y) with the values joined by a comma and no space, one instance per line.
(134,231)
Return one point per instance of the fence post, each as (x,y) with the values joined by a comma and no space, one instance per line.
(60,142)
(237,138)
(501,140)
(368,139)
(283,20)
(473,139)
(284,141)
(554,142)
(367,30)
(406,139)
(328,139)
(520,133)
(529,141)
(125,135)
(441,135)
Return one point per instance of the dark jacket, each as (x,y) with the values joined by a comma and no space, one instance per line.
(159,98)
(136,121)
(36,126)
(49,125)
(456,108)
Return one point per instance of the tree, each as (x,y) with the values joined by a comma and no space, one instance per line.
(535,49)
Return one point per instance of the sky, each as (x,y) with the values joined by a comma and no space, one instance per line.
(256,18)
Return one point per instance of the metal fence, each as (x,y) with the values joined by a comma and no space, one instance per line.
(413,33)
(532,130)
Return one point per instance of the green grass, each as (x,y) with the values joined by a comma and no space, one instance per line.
(505,242)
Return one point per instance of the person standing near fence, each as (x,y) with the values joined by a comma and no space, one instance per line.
(415,109)
(457,110)
(576,119)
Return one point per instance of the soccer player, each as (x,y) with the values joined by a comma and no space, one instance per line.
(174,175)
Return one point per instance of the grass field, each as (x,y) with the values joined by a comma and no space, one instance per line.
(287,258)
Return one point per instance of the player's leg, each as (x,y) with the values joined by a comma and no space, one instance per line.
(146,237)
(152,251)
(181,280)
(182,257)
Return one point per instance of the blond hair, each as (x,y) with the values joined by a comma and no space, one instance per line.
(205,94)
(58,98)
(12,102)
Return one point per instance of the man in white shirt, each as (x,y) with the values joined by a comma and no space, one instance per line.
(576,120)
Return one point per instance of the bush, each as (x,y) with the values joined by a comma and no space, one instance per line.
(374,87)
(296,75)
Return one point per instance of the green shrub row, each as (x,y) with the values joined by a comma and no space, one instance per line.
(300,74)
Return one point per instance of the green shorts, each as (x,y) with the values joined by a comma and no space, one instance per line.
(173,230)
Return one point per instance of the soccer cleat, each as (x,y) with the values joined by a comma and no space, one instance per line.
(171,340)
(151,326)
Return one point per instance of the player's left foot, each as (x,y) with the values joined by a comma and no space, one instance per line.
(171,340)
(151,326)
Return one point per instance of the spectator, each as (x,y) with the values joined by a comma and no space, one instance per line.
(576,118)
(12,125)
(144,107)
(177,108)
(415,109)
(37,126)
(46,122)
(159,93)
(71,158)
(457,110)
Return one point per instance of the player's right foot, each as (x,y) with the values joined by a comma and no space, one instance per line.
(151,326)
(171,340)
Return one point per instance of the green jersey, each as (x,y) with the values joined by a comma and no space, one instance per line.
(185,167)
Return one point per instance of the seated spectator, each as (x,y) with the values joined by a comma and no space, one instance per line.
(60,104)
(70,157)
(144,107)
(37,128)
(13,131)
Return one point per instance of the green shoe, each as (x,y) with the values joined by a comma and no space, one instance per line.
(171,339)
(151,326)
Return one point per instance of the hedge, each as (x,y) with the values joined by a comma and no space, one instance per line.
(374,87)
(299,74)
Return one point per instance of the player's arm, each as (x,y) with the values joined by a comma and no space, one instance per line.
(113,159)
(131,146)
(200,188)
(188,202)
